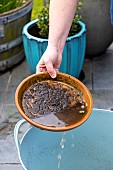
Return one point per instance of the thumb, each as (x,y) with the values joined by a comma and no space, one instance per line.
(50,69)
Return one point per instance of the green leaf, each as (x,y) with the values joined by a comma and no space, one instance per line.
(43,21)
(7,5)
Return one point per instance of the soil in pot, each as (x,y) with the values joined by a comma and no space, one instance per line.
(53,103)
(34,31)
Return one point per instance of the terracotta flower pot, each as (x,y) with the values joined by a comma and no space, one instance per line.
(65,78)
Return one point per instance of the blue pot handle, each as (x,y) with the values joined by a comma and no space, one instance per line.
(16,133)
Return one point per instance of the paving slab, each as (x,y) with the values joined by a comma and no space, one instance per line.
(88,74)
(11,167)
(10,114)
(103,71)
(4,78)
(103,99)
(8,151)
(2,95)
(110,47)
(18,74)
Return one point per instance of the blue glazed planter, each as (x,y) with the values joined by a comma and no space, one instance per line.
(73,54)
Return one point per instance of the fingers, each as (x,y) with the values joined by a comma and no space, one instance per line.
(50,69)
(50,62)
(40,67)
(46,65)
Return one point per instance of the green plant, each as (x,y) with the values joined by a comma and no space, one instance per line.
(43,22)
(7,5)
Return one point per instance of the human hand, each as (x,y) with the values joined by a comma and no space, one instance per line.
(50,61)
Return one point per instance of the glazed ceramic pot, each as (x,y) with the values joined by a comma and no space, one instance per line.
(61,77)
(73,54)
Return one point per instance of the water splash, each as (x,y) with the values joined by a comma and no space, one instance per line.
(59,157)
(72,137)
(62,145)
(63,140)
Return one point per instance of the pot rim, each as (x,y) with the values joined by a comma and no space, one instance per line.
(51,128)
(16,9)
(32,23)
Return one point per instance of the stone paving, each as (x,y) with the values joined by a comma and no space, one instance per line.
(98,78)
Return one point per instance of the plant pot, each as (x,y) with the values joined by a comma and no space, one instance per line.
(96,16)
(63,78)
(73,54)
(11,44)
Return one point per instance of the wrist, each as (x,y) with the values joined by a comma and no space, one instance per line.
(53,43)
(53,47)
(56,45)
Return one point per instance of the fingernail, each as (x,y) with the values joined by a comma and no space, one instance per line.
(53,75)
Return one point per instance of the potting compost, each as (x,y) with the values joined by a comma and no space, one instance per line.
(53,103)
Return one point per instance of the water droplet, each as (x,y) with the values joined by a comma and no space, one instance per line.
(59,156)
(72,145)
(63,140)
(82,106)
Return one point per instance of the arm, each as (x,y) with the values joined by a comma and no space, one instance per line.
(60,19)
